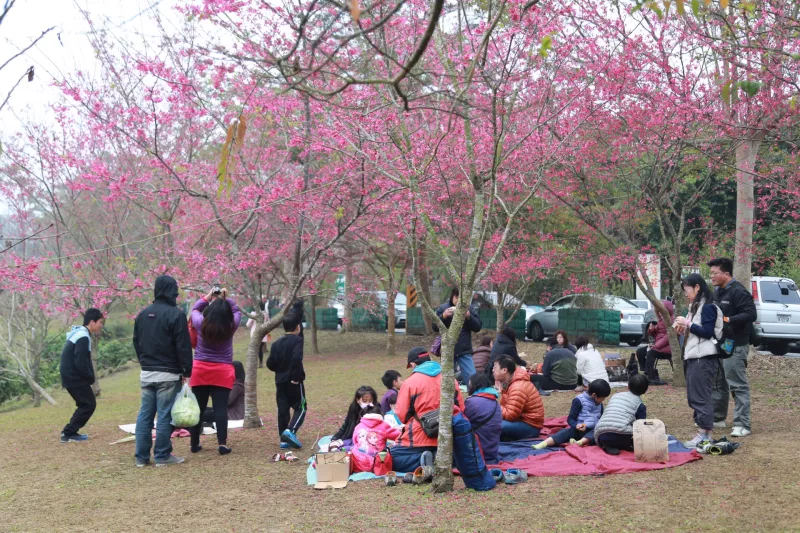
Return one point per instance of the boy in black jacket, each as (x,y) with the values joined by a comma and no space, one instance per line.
(77,374)
(286,360)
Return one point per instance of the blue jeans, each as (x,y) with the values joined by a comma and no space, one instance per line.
(406,459)
(156,398)
(467,367)
(511,431)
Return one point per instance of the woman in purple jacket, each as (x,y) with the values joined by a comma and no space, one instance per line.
(484,413)
(216,319)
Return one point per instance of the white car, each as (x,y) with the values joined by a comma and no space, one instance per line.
(778,306)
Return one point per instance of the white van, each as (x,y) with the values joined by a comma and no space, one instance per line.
(778,305)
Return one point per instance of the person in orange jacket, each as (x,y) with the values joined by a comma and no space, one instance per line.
(418,395)
(521,405)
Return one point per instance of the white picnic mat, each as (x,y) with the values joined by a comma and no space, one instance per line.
(232,424)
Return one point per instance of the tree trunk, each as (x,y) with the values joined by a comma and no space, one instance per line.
(37,398)
(425,287)
(347,320)
(251,416)
(746,153)
(391,339)
(313,321)
(501,310)
(37,389)
(443,476)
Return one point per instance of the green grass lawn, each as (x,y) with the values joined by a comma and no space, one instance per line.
(94,486)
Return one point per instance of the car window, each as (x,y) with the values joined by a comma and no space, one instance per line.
(778,292)
(614,302)
(563,303)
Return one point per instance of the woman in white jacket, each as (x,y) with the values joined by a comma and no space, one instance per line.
(590,363)
(702,327)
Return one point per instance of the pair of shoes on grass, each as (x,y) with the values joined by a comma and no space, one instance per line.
(512,476)
(223,450)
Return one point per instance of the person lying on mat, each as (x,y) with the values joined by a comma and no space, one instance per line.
(584,414)
(614,431)
(520,403)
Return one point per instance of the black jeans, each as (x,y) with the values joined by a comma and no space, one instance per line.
(647,360)
(219,396)
(261,354)
(290,396)
(620,441)
(86,403)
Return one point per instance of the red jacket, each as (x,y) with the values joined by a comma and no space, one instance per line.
(662,340)
(424,386)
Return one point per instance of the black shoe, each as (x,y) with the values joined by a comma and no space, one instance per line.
(224,450)
(611,451)
(658,381)
(196,448)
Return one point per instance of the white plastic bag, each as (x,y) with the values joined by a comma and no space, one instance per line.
(185,410)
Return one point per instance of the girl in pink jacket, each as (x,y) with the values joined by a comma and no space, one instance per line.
(369,438)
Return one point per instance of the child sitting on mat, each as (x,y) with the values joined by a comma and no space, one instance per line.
(614,431)
(369,438)
(584,414)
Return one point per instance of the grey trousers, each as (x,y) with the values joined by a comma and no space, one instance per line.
(699,386)
(731,379)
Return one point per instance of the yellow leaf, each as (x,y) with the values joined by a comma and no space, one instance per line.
(240,131)
(724,4)
(355,11)
(707,2)
(681,7)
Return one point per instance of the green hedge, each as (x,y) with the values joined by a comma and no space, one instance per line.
(415,324)
(601,326)
(365,320)
(327,318)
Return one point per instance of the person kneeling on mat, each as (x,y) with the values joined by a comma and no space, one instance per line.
(614,431)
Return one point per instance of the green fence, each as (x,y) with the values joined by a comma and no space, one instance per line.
(365,320)
(327,318)
(601,326)
(489,320)
(415,325)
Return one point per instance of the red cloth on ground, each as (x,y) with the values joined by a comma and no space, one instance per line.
(216,374)
(591,461)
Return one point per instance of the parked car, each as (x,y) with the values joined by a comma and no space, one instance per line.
(644,304)
(380,299)
(632,324)
(778,306)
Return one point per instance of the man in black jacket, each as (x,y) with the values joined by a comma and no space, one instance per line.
(77,373)
(286,360)
(161,340)
(739,312)
(472,324)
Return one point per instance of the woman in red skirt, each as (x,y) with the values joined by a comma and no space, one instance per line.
(216,319)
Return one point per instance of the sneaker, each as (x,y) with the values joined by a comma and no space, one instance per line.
(418,476)
(284,445)
(723,447)
(739,431)
(408,478)
(75,437)
(291,439)
(515,475)
(391,478)
(141,464)
(695,441)
(195,449)
(497,474)
(611,451)
(545,392)
(172,460)
(720,424)
(426,459)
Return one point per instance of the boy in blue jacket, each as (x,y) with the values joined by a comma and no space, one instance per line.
(585,412)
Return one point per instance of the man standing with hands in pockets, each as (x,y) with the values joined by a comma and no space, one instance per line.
(739,312)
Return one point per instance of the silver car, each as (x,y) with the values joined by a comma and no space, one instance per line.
(778,306)
(632,324)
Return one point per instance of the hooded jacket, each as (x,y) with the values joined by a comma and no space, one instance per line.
(484,413)
(520,401)
(161,332)
(738,306)
(369,438)
(286,359)
(504,346)
(480,357)
(471,325)
(76,361)
(218,352)
(590,365)
(423,387)
(662,340)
